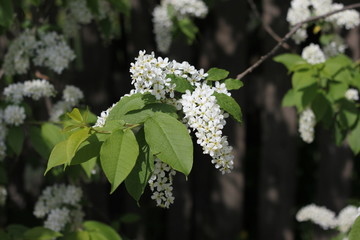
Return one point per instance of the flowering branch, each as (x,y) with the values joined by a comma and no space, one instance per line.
(267,28)
(289,34)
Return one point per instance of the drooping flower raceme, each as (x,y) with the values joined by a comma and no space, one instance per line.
(14,115)
(53,52)
(313,54)
(17,59)
(327,219)
(180,9)
(60,205)
(161,184)
(307,123)
(301,10)
(204,116)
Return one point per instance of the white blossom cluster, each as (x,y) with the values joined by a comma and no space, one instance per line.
(352,94)
(71,96)
(77,13)
(50,50)
(3,195)
(17,59)
(313,54)
(334,48)
(14,115)
(161,184)
(34,89)
(100,122)
(60,205)
(179,9)
(301,10)
(307,123)
(327,218)
(204,116)
(53,52)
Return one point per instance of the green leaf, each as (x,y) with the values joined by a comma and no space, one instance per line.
(52,134)
(138,178)
(169,139)
(15,139)
(88,150)
(130,103)
(16,231)
(348,113)
(340,134)
(40,233)
(309,94)
(38,143)
(355,229)
(93,5)
(344,76)
(337,90)
(76,115)
(229,105)
(289,99)
(36,2)
(303,79)
(79,235)
(216,74)
(182,84)
(335,64)
(6,13)
(355,80)
(321,107)
(233,84)
(58,155)
(105,230)
(74,142)
(188,28)
(289,60)
(140,116)
(4,235)
(118,156)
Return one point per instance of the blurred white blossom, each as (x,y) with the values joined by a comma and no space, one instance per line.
(352,94)
(313,54)
(14,115)
(307,123)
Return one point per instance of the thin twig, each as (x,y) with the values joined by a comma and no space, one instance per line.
(289,34)
(266,26)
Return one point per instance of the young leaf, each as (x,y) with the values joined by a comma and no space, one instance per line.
(41,233)
(229,105)
(74,142)
(15,139)
(355,230)
(52,134)
(170,141)
(233,84)
(138,178)
(103,229)
(76,115)
(140,116)
(216,74)
(182,84)
(289,99)
(302,79)
(58,156)
(130,103)
(188,28)
(289,60)
(118,156)
(88,150)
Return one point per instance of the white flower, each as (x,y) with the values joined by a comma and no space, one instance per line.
(161,184)
(14,93)
(53,52)
(318,215)
(352,94)
(313,54)
(347,217)
(38,88)
(163,24)
(14,115)
(103,116)
(79,11)
(3,195)
(17,59)
(307,123)
(334,48)
(57,219)
(72,94)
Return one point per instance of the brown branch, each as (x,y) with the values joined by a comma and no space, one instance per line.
(266,26)
(289,34)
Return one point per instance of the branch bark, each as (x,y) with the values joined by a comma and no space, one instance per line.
(289,34)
